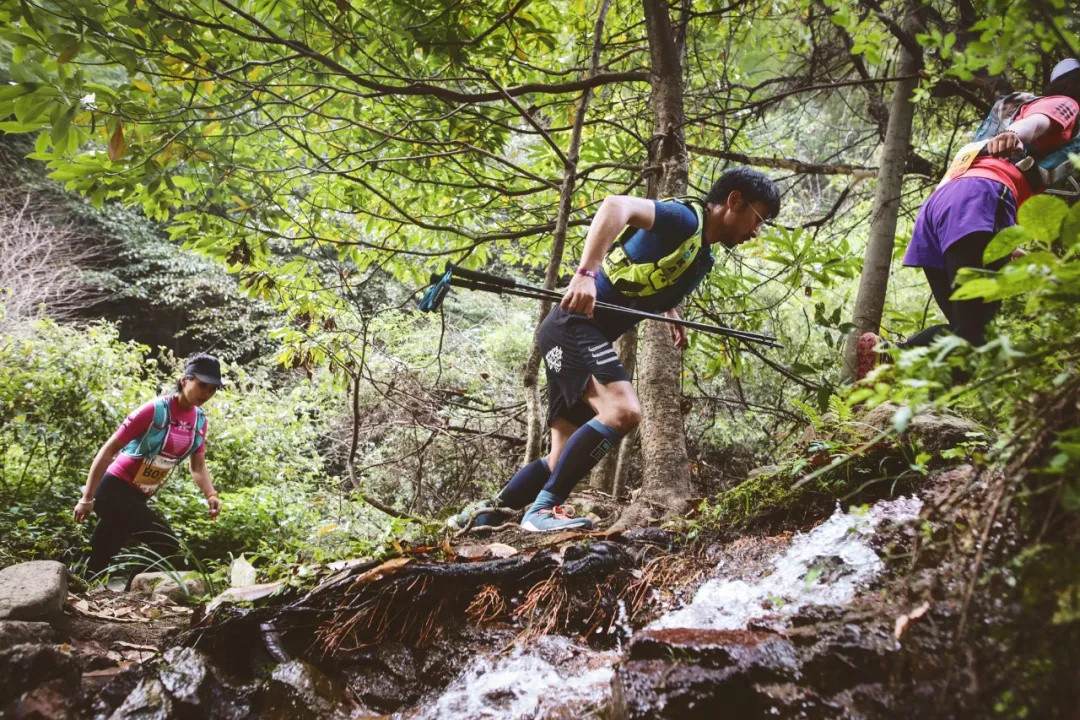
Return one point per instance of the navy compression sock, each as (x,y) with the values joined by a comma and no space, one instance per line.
(526,482)
(583,451)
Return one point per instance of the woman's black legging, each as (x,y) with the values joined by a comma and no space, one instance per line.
(967,318)
(124,516)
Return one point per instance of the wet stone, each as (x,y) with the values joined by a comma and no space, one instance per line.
(26,667)
(148,701)
(33,590)
(379,689)
(770,656)
(184,676)
(655,689)
(688,673)
(17,632)
(298,690)
(398,659)
(385,679)
(53,700)
(118,688)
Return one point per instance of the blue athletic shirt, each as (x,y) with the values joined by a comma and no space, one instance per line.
(674,223)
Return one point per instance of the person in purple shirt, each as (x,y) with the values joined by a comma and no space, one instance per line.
(134,463)
(643,254)
(961,217)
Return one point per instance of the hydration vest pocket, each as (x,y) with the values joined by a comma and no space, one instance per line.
(642,279)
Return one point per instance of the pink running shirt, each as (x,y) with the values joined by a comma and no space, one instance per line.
(181,429)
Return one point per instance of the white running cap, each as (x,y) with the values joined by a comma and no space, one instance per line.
(1066,65)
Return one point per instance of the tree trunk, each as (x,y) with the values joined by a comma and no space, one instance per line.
(665,486)
(870,301)
(603,476)
(534,432)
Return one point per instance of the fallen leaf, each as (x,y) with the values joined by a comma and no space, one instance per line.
(500,550)
(472,552)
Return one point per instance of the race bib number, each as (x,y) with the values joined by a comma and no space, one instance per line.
(153,472)
(963,161)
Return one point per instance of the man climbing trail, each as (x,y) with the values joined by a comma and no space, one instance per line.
(980,196)
(660,258)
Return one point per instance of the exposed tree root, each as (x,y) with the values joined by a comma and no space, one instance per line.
(569,586)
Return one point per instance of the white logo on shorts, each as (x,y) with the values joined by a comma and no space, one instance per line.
(553,359)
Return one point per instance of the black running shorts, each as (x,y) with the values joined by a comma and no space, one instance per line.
(574,348)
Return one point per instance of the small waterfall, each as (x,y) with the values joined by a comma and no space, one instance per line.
(825,566)
(527,683)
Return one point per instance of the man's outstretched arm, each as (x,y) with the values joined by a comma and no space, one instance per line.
(615,213)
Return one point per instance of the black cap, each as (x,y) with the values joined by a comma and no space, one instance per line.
(204,367)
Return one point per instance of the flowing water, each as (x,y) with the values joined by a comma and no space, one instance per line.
(527,683)
(825,566)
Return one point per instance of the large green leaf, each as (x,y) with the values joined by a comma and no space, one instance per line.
(1041,216)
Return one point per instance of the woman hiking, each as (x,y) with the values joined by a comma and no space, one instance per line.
(975,201)
(133,464)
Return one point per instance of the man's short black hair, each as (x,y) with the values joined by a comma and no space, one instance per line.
(752,184)
(1068,85)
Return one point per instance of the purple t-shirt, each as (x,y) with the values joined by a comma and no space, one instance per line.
(959,207)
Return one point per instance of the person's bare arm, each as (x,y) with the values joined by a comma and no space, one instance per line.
(98,467)
(1020,133)
(615,213)
(201,475)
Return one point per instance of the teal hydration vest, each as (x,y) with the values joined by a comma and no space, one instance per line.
(1042,171)
(152,442)
(641,279)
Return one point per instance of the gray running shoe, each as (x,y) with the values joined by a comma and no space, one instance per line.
(560,517)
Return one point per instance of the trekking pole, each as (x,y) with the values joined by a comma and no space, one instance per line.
(485,282)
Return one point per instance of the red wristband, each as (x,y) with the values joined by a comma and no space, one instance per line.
(587,272)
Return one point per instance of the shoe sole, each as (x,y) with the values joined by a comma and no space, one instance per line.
(579,526)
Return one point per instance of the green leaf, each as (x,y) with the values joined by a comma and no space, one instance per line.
(10,92)
(1005,242)
(1042,216)
(977,288)
(61,123)
(1070,228)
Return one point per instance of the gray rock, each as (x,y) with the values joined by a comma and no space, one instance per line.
(33,590)
(687,673)
(148,701)
(162,583)
(936,431)
(185,675)
(16,632)
(300,690)
(25,667)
